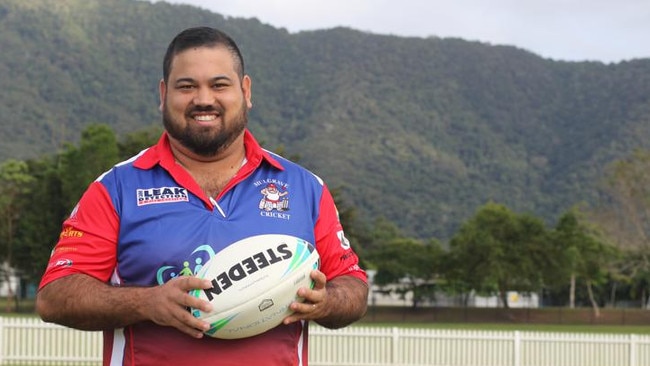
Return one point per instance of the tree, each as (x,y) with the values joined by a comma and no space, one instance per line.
(404,263)
(409,263)
(97,152)
(500,251)
(14,182)
(136,141)
(586,255)
(42,212)
(624,217)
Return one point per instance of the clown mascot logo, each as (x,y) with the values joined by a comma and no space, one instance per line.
(274,199)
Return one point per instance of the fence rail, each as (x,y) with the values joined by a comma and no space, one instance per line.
(29,341)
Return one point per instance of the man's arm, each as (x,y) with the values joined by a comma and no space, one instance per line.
(83,302)
(347,302)
(334,304)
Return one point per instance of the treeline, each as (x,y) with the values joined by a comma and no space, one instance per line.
(592,256)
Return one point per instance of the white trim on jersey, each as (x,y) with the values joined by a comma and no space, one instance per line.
(117,350)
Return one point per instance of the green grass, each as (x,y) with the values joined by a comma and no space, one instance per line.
(24,306)
(563,328)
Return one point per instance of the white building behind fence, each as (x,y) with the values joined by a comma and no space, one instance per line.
(10,286)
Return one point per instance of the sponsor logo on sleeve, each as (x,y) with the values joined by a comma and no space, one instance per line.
(61,263)
(69,232)
(345,243)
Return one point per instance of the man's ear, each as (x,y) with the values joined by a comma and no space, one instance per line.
(246,88)
(162,90)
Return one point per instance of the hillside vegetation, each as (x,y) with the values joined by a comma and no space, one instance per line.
(419,131)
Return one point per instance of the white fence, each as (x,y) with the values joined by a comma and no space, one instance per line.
(28,341)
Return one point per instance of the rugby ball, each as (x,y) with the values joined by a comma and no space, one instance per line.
(254,281)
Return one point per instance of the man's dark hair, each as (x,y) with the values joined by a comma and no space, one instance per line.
(201,37)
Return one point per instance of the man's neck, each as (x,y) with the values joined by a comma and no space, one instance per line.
(211,173)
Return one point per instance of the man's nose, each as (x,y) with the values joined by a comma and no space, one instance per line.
(204,96)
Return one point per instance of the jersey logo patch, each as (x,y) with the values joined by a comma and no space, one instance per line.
(189,267)
(275,199)
(161,195)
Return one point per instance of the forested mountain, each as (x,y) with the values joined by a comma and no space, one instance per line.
(420,131)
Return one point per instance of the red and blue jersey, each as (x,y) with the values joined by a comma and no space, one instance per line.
(146,221)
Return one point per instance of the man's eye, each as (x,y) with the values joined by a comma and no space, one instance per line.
(185,86)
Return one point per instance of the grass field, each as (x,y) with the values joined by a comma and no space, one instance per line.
(564,328)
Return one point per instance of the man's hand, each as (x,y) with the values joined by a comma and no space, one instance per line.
(315,300)
(167,305)
(332,304)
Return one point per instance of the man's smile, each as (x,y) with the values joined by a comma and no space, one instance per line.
(205,117)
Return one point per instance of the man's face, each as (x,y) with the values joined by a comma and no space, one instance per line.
(204,103)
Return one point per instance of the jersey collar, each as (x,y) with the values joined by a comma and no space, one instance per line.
(161,153)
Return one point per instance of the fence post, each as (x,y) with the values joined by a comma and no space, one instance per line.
(2,341)
(517,349)
(633,344)
(396,357)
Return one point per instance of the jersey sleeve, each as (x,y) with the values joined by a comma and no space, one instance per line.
(88,240)
(337,256)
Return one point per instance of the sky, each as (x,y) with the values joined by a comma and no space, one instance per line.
(569,30)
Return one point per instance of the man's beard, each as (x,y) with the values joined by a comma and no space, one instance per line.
(204,141)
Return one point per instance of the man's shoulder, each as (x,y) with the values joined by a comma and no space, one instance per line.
(130,170)
(295,169)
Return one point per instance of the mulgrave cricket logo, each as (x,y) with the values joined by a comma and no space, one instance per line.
(161,195)
(189,267)
(275,198)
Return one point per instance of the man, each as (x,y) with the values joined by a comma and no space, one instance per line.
(193,193)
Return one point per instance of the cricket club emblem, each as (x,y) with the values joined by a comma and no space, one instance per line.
(274,198)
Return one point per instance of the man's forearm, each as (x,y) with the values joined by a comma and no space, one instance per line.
(82,302)
(347,300)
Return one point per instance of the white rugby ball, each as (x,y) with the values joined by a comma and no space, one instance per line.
(254,281)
